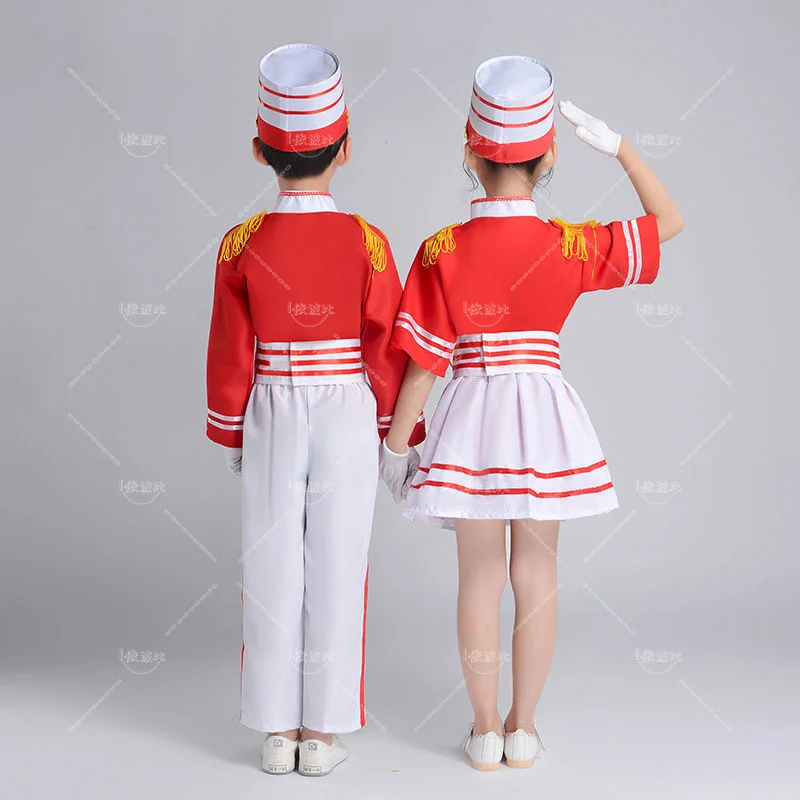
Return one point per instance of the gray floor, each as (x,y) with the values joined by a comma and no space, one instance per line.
(708,725)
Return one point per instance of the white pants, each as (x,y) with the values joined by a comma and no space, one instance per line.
(309,477)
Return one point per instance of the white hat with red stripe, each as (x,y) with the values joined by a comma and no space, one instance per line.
(511,115)
(301,98)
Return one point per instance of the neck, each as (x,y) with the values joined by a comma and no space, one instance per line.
(510,182)
(317,183)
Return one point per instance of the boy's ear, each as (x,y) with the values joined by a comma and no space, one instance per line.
(257,154)
(343,156)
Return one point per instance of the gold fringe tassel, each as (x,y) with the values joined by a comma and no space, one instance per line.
(236,239)
(573,239)
(376,250)
(441,242)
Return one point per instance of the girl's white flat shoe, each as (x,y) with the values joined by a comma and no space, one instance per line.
(279,755)
(485,751)
(522,748)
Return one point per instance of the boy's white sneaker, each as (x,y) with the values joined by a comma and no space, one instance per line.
(522,748)
(485,750)
(279,755)
(318,759)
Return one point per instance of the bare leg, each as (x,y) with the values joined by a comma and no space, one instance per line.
(533,577)
(482,576)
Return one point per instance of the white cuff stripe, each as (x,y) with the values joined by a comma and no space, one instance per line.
(216,424)
(629,245)
(421,342)
(422,332)
(223,417)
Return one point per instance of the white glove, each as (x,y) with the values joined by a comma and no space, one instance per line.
(397,471)
(591,130)
(233,458)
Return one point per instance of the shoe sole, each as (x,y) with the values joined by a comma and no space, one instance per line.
(277,769)
(519,764)
(312,771)
(485,767)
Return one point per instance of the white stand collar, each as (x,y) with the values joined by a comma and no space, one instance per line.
(303,203)
(503,207)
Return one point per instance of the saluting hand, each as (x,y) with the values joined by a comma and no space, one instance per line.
(591,130)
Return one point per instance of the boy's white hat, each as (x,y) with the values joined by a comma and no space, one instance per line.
(301,98)
(511,115)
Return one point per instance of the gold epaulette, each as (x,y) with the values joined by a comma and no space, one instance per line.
(376,247)
(573,239)
(441,242)
(235,239)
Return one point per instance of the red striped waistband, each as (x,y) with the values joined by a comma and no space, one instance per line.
(310,363)
(503,352)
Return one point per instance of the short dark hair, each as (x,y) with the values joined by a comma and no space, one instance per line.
(307,164)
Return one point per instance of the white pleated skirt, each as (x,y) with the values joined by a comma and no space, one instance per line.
(513,445)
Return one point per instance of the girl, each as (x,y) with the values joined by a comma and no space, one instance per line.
(510,439)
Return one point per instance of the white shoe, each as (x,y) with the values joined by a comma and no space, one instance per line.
(522,748)
(279,755)
(485,750)
(318,758)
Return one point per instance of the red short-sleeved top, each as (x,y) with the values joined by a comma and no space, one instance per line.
(506,269)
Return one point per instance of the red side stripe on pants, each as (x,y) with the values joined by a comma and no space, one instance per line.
(364,650)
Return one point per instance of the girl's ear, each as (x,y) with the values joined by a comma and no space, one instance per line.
(257,154)
(550,157)
(470,159)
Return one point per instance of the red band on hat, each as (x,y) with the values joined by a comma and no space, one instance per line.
(510,152)
(511,124)
(302,141)
(306,111)
(298,96)
(511,108)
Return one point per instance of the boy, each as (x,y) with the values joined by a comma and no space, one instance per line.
(301,389)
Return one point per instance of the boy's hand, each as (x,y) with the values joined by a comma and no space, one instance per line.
(591,130)
(397,470)
(233,458)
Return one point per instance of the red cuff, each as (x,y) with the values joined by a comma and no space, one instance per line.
(418,434)
(651,248)
(225,429)
(430,356)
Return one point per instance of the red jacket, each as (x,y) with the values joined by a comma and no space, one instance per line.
(509,270)
(304,272)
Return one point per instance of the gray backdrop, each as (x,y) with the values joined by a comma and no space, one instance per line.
(127,156)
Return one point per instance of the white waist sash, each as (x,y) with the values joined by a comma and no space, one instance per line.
(327,361)
(502,352)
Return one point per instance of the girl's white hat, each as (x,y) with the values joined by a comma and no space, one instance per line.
(511,115)
(301,98)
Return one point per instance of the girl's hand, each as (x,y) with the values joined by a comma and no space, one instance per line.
(233,458)
(397,471)
(591,130)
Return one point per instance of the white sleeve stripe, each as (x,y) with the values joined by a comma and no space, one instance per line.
(225,427)
(629,245)
(427,334)
(638,242)
(223,417)
(437,351)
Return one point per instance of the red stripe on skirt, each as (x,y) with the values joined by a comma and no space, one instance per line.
(508,471)
(495,492)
